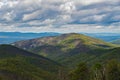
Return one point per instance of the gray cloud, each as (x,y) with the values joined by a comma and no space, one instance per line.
(38,14)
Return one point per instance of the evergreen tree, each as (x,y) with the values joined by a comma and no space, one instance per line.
(98,72)
(81,73)
(112,70)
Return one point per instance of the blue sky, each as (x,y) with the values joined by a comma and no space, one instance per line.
(60,16)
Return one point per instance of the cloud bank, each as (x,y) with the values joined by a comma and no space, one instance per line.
(60,15)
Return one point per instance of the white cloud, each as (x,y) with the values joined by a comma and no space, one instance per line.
(30,16)
(59,15)
(68,7)
(116,17)
(1,4)
(63,29)
(94,18)
(87,2)
(42,23)
(9,16)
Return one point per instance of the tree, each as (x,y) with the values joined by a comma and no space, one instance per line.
(62,74)
(80,73)
(113,70)
(98,72)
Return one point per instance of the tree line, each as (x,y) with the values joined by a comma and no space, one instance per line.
(99,71)
(107,71)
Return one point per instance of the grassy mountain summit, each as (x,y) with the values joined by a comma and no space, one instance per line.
(67,40)
(68,49)
(17,64)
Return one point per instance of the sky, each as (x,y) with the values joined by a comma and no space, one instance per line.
(62,16)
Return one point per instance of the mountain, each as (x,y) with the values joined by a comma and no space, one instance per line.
(10,37)
(66,40)
(18,64)
(116,41)
(105,36)
(67,49)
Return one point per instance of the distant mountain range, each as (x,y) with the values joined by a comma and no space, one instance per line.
(105,36)
(70,49)
(10,37)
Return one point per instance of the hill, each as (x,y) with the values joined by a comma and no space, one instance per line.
(18,64)
(67,49)
(116,42)
(105,36)
(66,40)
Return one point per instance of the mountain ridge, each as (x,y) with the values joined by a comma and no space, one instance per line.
(67,49)
(17,64)
(57,39)
(17,36)
(116,41)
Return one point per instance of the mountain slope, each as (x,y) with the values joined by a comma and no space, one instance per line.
(108,37)
(116,42)
(17,64)
(67,49)
(67,40)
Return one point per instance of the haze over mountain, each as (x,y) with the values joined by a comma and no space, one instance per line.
(10,37)
(105,36)
(69,49)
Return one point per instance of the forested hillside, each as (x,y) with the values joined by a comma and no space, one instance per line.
(17,64)
(70,49)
